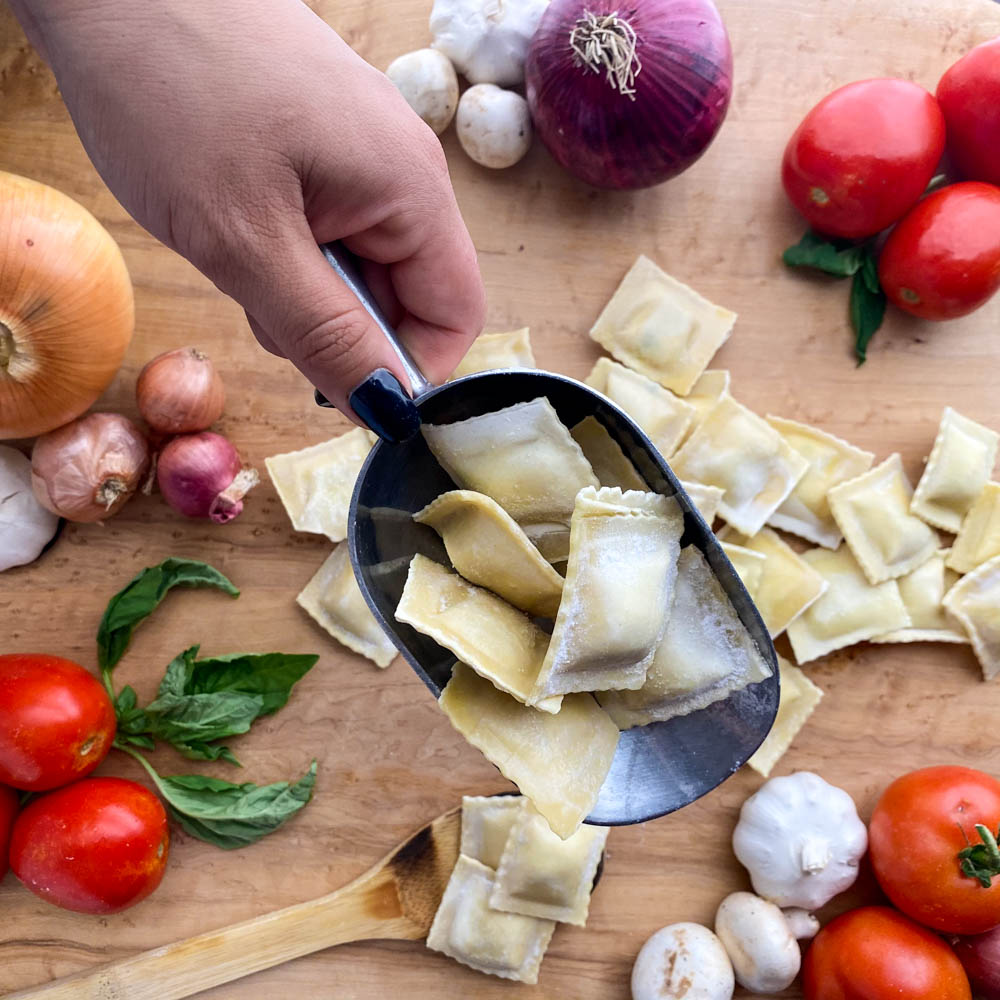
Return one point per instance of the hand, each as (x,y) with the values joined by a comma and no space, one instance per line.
(242,135)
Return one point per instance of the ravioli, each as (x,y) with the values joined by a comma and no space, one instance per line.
(798,700)
(315,484)
(661,327)
(486,823)
(705,655)
(551,538)
(488,548)
(850,610)
(558,761)
(521,456)
(957,471)
(606,458)
(705,498)
(873,512)
(787,585)
(979,537)
(749,565)
(740,453)
(334,600)
(806,511)
(468,930)
(491,351)
(975,602)
(497,641)
(616,599)
(542,875)
(663,417)
(923,591)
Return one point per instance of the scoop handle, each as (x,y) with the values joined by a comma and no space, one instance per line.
(346,266)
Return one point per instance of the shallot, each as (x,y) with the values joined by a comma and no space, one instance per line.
(180,391)
(980,957)
(200,475)
(86,470)
(26,527)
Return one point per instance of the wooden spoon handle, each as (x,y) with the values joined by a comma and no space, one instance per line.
(367,908)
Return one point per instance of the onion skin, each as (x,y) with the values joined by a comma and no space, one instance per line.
(980,957)
(66,308)
(87,470)
(180,391)
(681,92)
(200,475)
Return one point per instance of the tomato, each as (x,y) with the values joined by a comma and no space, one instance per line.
(97,846)
(917,829)
(863,156)
(969,95)
(9,800)
(875,953)
(943,259)
(56,721)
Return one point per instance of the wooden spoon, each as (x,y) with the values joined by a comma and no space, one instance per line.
(397,898)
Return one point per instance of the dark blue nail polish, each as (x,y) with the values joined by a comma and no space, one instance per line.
(382,403)
(321,400)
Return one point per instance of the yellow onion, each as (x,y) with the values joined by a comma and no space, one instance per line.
(86,470)
(66,308)
(180,391)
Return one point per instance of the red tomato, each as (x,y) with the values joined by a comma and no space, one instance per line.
(917,829)
(969,95)
(97,846)
(863,156)
(875,953)
(943,259)
(9,800)
(56,721)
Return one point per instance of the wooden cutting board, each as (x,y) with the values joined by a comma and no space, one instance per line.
(551,250)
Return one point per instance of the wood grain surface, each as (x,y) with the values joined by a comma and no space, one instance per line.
(551,252)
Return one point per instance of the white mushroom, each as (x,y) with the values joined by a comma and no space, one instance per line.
(760,944)
(801,923)
(494,126)
(682,961)
(427,81)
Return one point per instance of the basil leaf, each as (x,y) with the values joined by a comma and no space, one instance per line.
(131,719)
(130,606)
(867,306)
(816,252)
(175,680)
(269,675)
(196,750)
(202,717)
(229,815)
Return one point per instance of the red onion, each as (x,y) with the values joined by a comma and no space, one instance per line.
(627,97)
(200,475)
(980,957)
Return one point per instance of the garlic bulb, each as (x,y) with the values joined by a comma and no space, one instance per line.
(487,40)
(493,125)
(26,527)
(426,79)
(86,470)
(180,391)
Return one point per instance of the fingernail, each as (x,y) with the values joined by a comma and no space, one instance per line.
(382,403)
(321,400)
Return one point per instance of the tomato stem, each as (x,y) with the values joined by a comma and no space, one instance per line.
(981,861)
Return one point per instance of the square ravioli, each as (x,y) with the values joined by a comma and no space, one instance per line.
(606,458)
(873,512)
(958,469)
(664,418)
(621,544)
(979,537)
(705,498)
(661,327)
(486,823)
(521,456)
(806,511)
(705,655)
(975,602)
(787,583)
(749,565)
(496,640)
(315,484)
(558,761)
(490,351)
(850,610)
(466,929)
(334,600)
(923,592)
(799,698)
(743,455)
(486,545)
(541,875)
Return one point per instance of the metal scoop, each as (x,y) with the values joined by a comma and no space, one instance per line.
(658,768)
